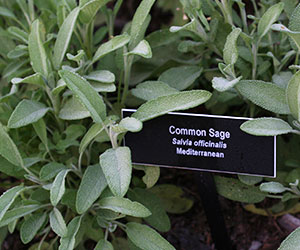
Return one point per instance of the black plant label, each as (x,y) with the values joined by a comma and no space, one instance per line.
(202,142)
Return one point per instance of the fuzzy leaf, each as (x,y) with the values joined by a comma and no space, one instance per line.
(180,77)
(117,168)
(8,149)
(292,241)
(37,53)
(73,110)
(294,35)
(50,170)
(293,95)
(152,89)
(41,130)
(58,187)
(31,226)
(68,242)
(35,79)
(268,18)
(146,238)
(165,104)
(266,95)
(103,76)
(143,49)
(104,245)
(63,37)
(89,10)
(272,187)
(266,127)
(130,124)
(92,184)
(27,112)
(112,45)
(230,52)
(221,84)
(7,198)
(294,26)
(86,93)
(124,206)
(57,222)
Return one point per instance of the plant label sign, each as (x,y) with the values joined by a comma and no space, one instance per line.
(202,142)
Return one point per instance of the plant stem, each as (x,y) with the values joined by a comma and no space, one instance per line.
(128,60)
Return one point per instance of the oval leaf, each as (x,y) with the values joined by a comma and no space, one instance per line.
(27,112)
(57,222)
(294,35)
(89,10)
(35,79)
(230,52)
(143,49)
(158,218)
(146,238)
(272,187)
(152,89)
(37,53)
(64,37)
(164,104)
(266,95)
(131,124)
(124,206)
(104,245)
(112,45)
(293,95)
(8,149)
(103,76)
(266,127)
(117,168)
(68,242)
(31,226)
(180,77)
(221,84)
(269,17)
(86,93)
(7,198)
(50,170)
(58,187)
(73,110)
(294,26)
(292,241)
(92,184)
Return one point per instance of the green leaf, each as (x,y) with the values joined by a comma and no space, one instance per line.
(35,79)
(31,226)
(158,218)
(8,149)
(250,180)
(17,213)
(152,89)
(92,184)
(110,46)
(234,190)
(151,174)
(165,104)
(124,206)
(146,238)
(77,58)
(104,87)
(294,35)
(143,49)
(172,198)
(41,130)
(103,76)
(19,34)
(180,77)
(59,87)
(50,170)
(130,124)
(266,127)
(89,9)
(117,168)
(73,109)
(58,187)
(86,93)
(7,13)
(294,25)
(230,51)
(292,241)
(68,242)
(221,84)
(63,37)
(57,223)
(138,20)
(27,112)
(7,198)
(266,95)
(104,245)
(37,53)
(268,18)
(293,95)
(272,187)
(13,90)
(92,133)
